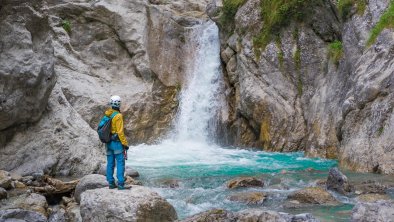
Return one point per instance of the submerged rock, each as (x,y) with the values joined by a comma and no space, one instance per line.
(245,182)
(137,204)
(312,195)
(337,181)
(380,211)
(249,197)
(89,182)
(372,197)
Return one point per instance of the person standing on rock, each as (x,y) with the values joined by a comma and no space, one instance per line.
(117,147)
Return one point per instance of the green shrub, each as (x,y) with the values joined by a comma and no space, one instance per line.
(385,21)
(66,26)
(335,51)
(230,8)
(277,14)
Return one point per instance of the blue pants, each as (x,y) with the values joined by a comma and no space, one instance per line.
(120,165)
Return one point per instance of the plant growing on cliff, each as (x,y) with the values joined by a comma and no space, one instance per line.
(345,7)
(385,21)
(66,26)
(278,14)
(230,8)
(335,51)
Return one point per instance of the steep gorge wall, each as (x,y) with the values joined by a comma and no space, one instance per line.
(61,60)
(292,95)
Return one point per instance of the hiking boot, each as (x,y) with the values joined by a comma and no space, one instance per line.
(112,186)
(123,187)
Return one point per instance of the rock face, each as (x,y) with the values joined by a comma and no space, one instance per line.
(89,182)
(62,60)
(373,212)
(292,95)
(337,181)
(136,204)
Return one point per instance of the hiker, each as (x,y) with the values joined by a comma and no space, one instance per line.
(117,146)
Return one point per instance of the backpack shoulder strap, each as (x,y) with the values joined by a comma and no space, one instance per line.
(114,114)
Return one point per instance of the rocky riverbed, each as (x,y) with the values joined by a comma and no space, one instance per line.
(42,198)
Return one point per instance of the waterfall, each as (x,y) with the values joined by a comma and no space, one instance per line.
(201,100)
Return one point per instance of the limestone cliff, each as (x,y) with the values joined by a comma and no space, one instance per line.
(312,82)
(62,60)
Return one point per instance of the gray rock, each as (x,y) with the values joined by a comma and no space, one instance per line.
(21,215)
(5,179)
(245,182)
(58,215)
(256,215)
(312,195)
(3,193)
(136,204)
(373,212)
(131,172)
(337,181)
(28,202)
(89,182)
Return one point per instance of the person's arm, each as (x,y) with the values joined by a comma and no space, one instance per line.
(120,129)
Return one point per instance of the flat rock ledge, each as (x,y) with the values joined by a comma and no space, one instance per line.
(136,204)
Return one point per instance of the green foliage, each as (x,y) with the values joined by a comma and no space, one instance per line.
(335,51)
(385,21)
(346,6)
(277,14)
(380,131)
(230,8)
(66,26)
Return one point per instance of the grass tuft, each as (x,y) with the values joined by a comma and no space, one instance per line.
(335,51)
(385,21)
(66,26)
(230,8)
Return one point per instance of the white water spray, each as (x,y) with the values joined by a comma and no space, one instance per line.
(200,101)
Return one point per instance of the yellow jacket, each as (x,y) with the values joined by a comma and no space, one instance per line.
(117,125)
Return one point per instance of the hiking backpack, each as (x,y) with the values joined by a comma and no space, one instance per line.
(104,128)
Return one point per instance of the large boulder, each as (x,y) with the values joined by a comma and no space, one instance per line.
(28,202)
(136,204)
(89,182)
(245,182)
(5,179)
(312,195)
(337,181)
(381,211)
(21,215)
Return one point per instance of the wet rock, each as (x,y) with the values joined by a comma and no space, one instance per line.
(89,182)
(3,193)
(171,183)
(21,215)
(131,172)
(369,186)
(137,204)
(212,215)
(132,181)
(245,182)
(372,197)
(5,179)
(249,197)
(337,181)
(312,195)
(373,212)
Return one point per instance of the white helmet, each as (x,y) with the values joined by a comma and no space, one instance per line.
(115,101)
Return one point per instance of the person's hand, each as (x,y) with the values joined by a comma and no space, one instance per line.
(125,147)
